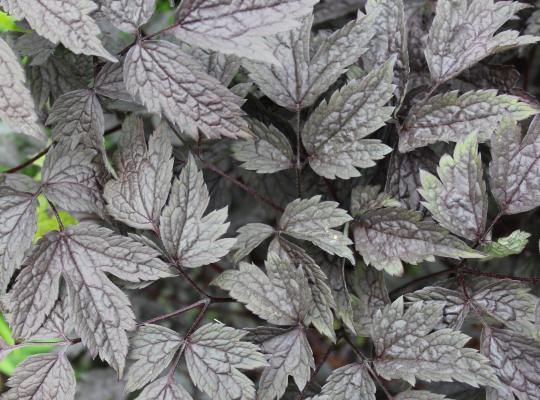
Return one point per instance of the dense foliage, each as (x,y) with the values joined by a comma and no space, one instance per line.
(271,199)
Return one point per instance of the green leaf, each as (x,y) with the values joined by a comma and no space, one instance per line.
(506,246)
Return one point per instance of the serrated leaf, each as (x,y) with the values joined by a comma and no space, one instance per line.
(506,246)
(281,296)
(18,225)
(269,152)
(249,237)
(128,15)
(169,82)
(464,33)
(451,118)
(58,323)
(290,355)
(82,255)
(109,82)
(419,395)
(388,236)
(350,382)
(454,307)
(145,172)
(405,348)
(515,167)
(516,360)
(312,220)
(164,389)
(65,21)
(237,27)
(71,177)
(215,354)
(369,198)
(191,239)
(17,109)
(42,376)
(458,198)
(333,134)
(223,67)
(152,348)
(296,80)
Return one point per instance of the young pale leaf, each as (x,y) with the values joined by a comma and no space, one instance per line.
(405,348)
(65,21)
(71,177)
(419,395)
(42,376)
(249,237)
(312,220)
(237,27)
(351,382)
(449,117)
(282,296)
(333,134)
(458,201)
(269,152)
(170,82)
(290,355)
(215,354)
(17,109)
(506,246)
(164,389)
(109,82)
(515,166)
(464,32)
(191,239)
(18,224)
(128,15)
(516,360)
(83,255)
(388,236)
(152,348)
(78,113)
(145,172)
(297,80)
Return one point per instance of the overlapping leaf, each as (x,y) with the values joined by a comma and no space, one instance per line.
(506,246)
(164,389)
(249,237)
(128,15)
(109,82)
(351,382)
(145,172)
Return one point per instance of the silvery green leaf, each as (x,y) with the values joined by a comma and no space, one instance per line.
(42,376)
(457,199)
(128,15)
(388,236)
(506,246)
(83,255)
(282,296)
(515,166)
(350,382)
(78,113)
(144,172)
(333,133)
(152,348)
(17,109)
(249,237)
(449,117)
(419,395)
(312,220)
(290,355)
(18,224)
(405,348)
(516,360)
(36,47)
(270,151)
(390,39)
(164,389)
(297,80)
(322,300)
(170,82)
(109,82)
(189,237)
(454,307)
(65,21)
(403,177)
(215,354)
(70,177)
(221,66)
(369,198)
(237,27)
(463,33)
